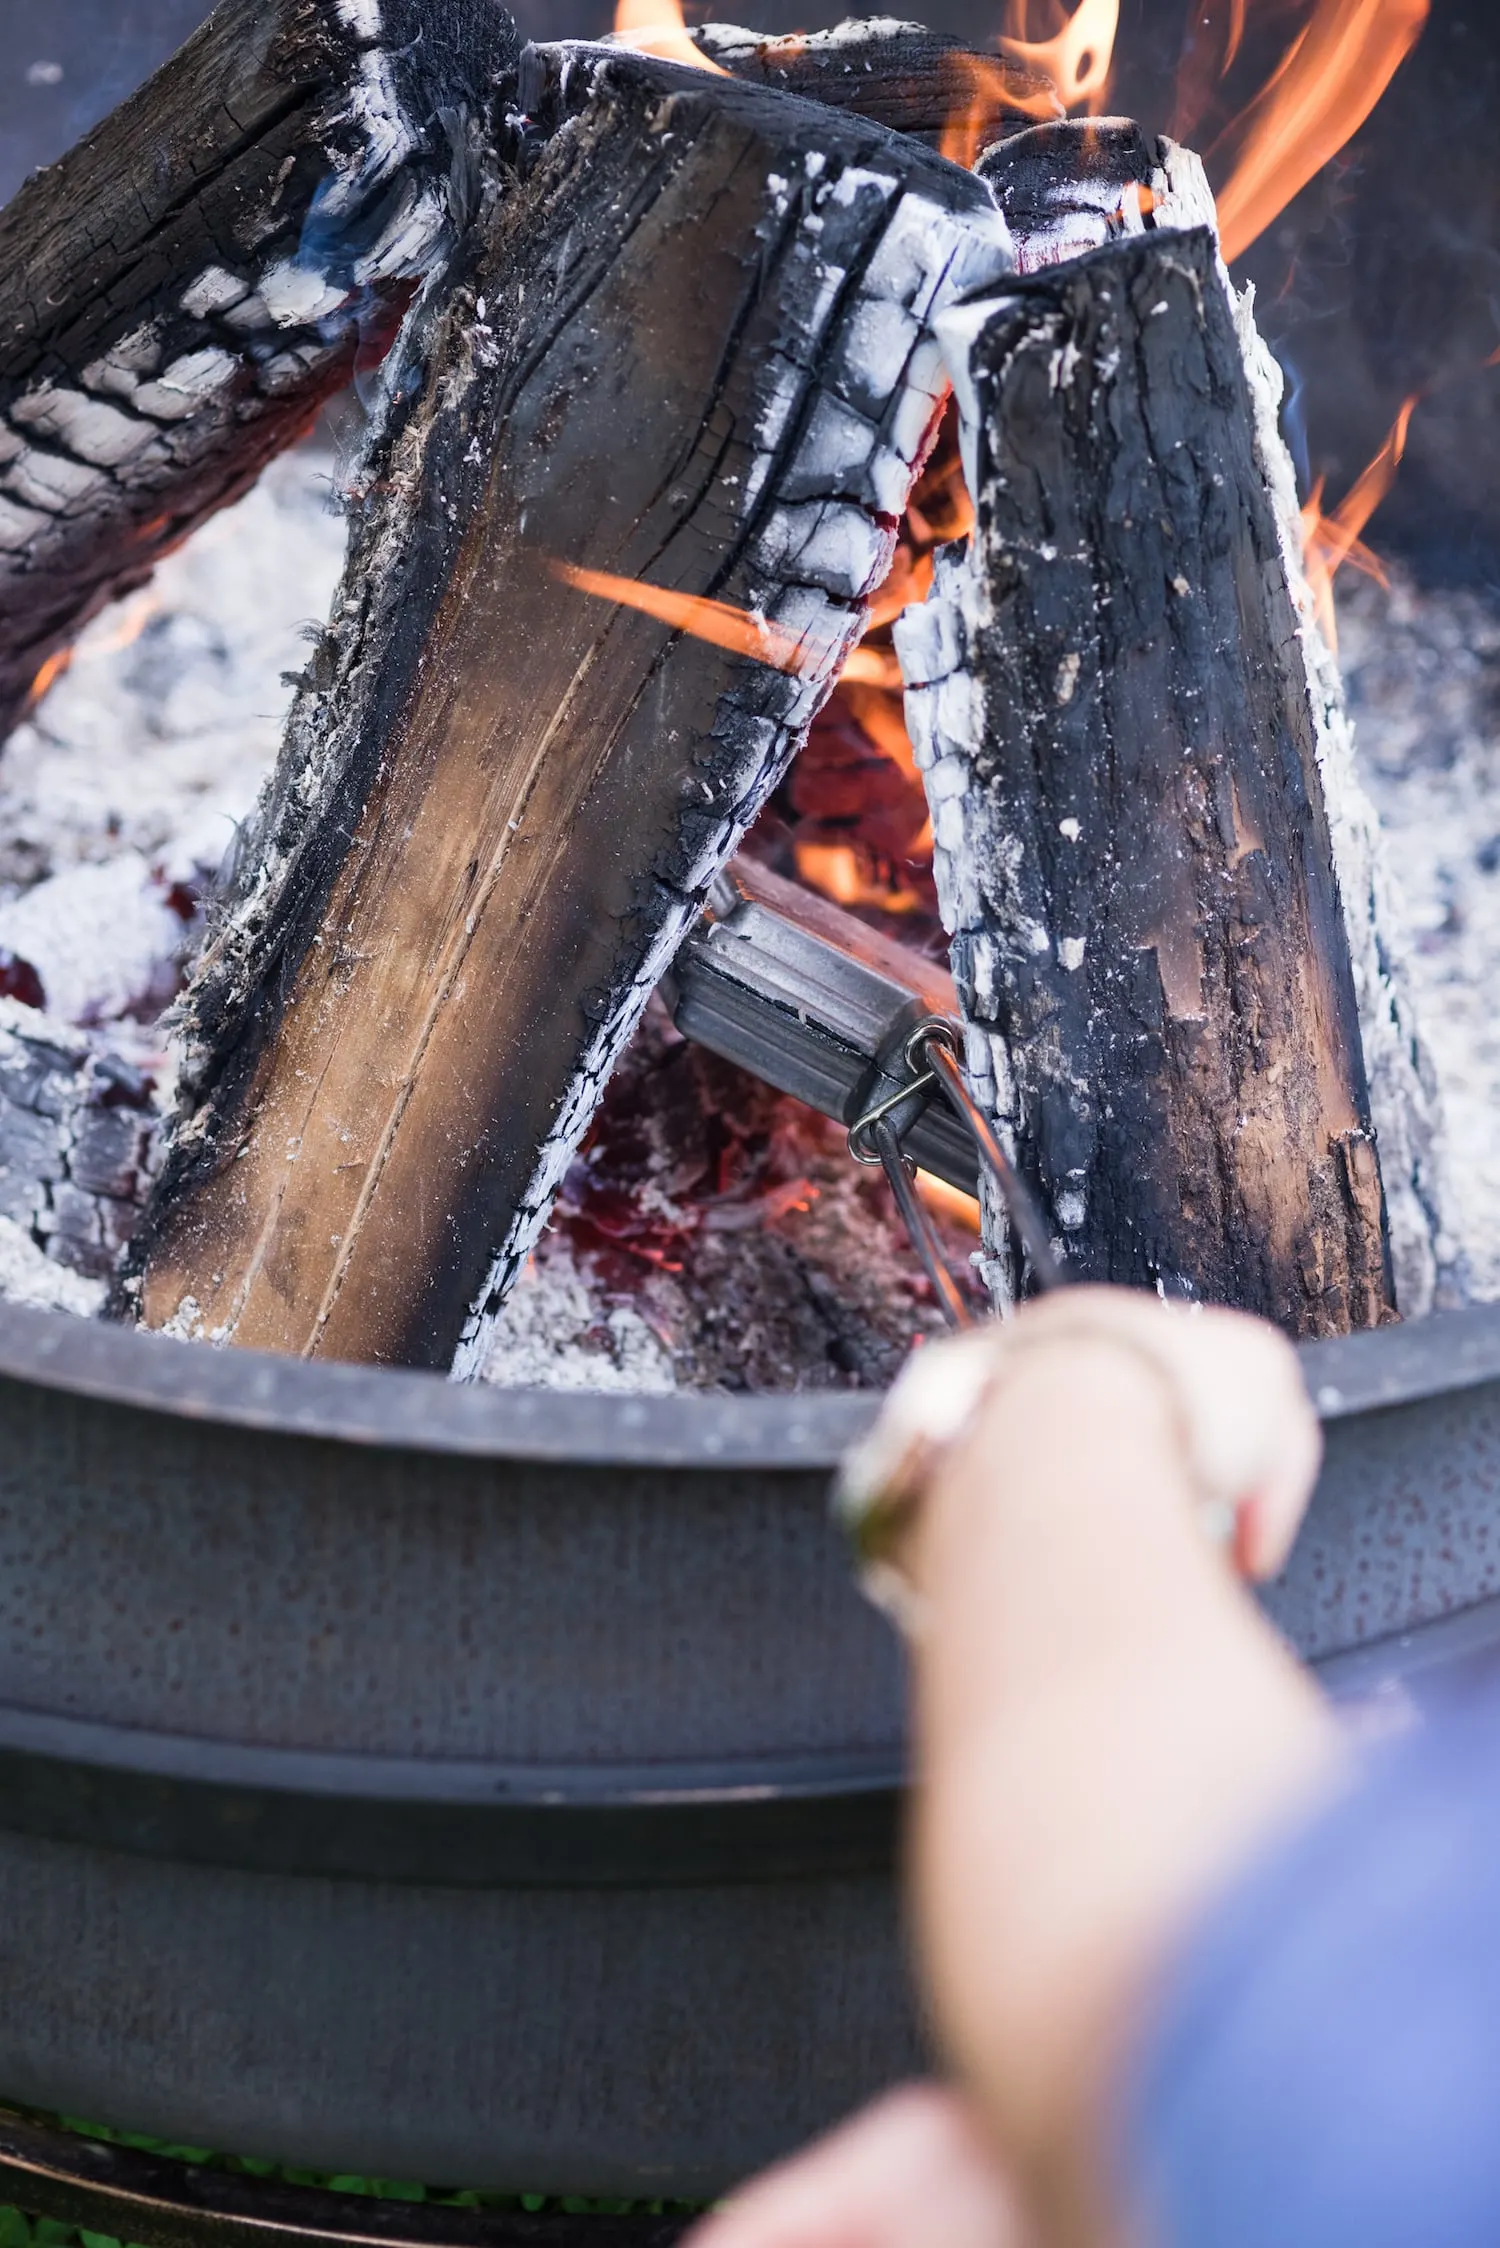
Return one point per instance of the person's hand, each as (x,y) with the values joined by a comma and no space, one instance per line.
(1106,1726)
(913,2171)
(1247,1438)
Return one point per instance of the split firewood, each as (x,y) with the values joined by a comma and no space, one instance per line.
(684,366)
(901,74)
(1071,187)
(181,293)
(1133,851)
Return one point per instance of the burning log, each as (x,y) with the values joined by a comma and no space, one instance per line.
(1071,187)
(902,75)
(1113,710)
(687,342)
(181,294)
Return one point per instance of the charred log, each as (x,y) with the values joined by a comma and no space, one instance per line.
(900,74)
(181,293)
(1071,187)
(689,342)
(77,1133)
(1133,850)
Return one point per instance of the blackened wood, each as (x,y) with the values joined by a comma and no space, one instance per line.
(1070,186)
(1133,850)
(688,344)
(901,74)
(181,293)
(77,1136)
(1067,188)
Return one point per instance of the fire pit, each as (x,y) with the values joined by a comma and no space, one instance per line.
(432,1780)
(407,1780)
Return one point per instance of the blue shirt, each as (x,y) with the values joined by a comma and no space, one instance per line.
(1325,2071)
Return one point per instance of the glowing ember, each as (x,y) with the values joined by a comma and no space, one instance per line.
(1328,82)
(834,868)
(1078,60)
(949,1202)
(657,27)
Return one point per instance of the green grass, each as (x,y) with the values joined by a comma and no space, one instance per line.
(19,2231)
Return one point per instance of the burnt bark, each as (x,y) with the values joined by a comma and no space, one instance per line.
(900,74)
(1134,856)
(77,1136)
(688,344)
(181,293)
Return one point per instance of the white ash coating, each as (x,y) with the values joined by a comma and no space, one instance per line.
(1422,669)
(28,1276)
(554,1332)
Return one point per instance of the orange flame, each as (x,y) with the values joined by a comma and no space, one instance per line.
(1329,541)
(1329,80)
(718,622)
(982,86)
(657,27)
(1077,61)
(51,671)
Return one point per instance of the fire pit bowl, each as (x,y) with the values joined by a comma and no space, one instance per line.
(503,1788)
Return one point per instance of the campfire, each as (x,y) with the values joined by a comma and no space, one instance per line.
(823,530)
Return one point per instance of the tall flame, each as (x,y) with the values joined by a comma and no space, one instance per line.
(1329,80)
(1078,59)
(1329,541)
(658,27)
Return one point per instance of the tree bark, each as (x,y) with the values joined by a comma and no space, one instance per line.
(689,343)
(1133,853)
(181,293)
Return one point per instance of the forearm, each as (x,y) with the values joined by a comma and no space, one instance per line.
(1105,1725)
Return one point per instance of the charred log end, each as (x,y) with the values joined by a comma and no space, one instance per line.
(915,81)
(182,293)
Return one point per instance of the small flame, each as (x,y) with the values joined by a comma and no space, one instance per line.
(741,631)
(658,27)
(1331,540)
(1078,59)
(1328,82)
(51,671)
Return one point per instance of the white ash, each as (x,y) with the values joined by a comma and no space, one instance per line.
(554,1332)
(118,801)
(157,739)
(1423,675)
(29,1276)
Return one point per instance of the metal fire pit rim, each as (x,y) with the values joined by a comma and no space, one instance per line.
(447,1823)
(399,1410)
